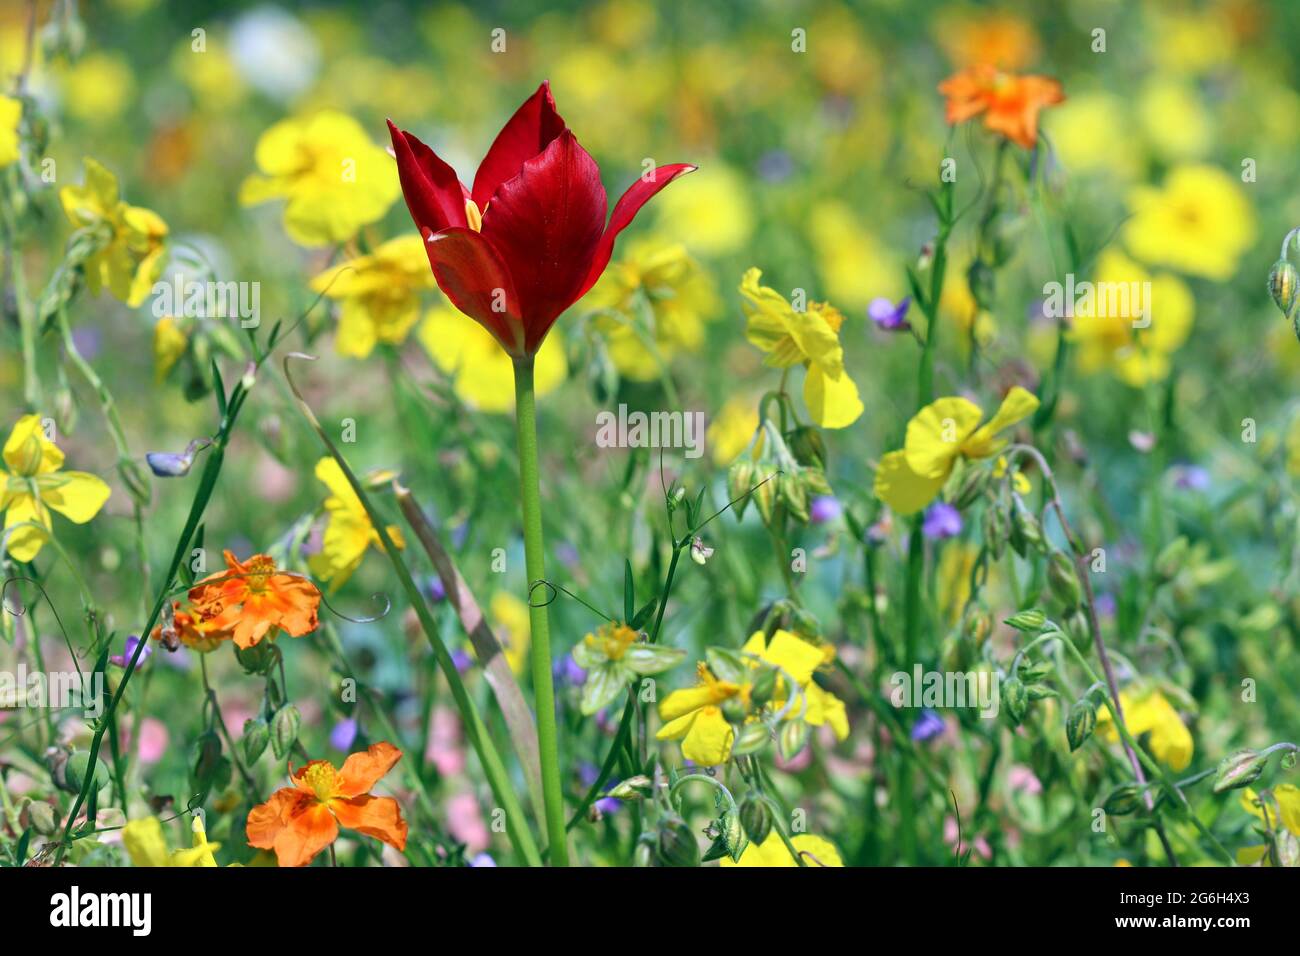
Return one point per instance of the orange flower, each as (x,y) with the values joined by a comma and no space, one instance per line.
(252,600)
(186,629)
(300,821)
(1010,103)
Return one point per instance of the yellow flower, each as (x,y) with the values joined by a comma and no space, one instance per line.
(11,115)
(695,715)
(810,338)
(513,629)
(482,373)
(662,287)
(146,845)
(856,266)
(335,179)
(711,208)
(1151,713)
(34,485)
(823,707)
(98,87)
(131,256)
(1106,335)
(815,851)
(348,531)
(1199,223)
(380,294)
(1018,480)
(169,344)
(1283,809)
(733,429)
(1082,132)
(909,479)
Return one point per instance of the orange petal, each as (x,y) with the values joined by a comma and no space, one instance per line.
(360,772)
(307,828)
(267,820)
(379,817)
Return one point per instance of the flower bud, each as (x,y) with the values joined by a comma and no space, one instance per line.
(675,844)
(257,734)
(1239,769)
(1016,699)
(755,818)
(1283,283)
(1123,800)
(764,686)
(284,730)
(1080,723)
(734,710)
(794,734)
(794,495)
(807,446)
(1030,620)
(739,480)
(1025,530)
(1064,580)
(752,738)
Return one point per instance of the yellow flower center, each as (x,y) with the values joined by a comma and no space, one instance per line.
(613,639)
(323,780)
(259,570)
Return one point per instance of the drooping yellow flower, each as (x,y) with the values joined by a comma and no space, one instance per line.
(348,531)
(335,179)
(1283,813)
(823,707)
(1151,713)
(1200,222)
(1018,480)
(733,429)
(808,337)
(815,850)
(132,254)
(1110,332)
(380,294)
(666,289)
(11,115)
(34,485)
(909,479)
(147,846)
(694,715)
(482,373)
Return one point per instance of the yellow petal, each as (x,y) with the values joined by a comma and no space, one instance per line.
(793,655)
(676,729)
(708,742)
(145,843)
(936,433)
(76,495)
(684,701)
(832,401)
(901,488)
(27,527)
(825,708)
(1017,406)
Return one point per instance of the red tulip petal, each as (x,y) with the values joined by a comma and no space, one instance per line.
(475,277)
(546,222)
(533,127)
(637,195)
(434,194)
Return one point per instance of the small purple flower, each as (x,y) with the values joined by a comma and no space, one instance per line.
(344,735)
(1105,604)
(609,805)
(928,726)
(128,652)
(888,316)
(433,587)
(824,509)
(1192,478)
(568,555)
(567,671)
(482,859)
(460,657)
(942,520)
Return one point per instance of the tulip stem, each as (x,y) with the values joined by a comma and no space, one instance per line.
(538,617)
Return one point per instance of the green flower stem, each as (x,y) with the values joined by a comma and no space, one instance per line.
(538,617)
(27,324)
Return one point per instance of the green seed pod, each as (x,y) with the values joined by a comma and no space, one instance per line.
(284,730)
(1078,630)
(1030,620)
(257,734)
(765,498)
(794,495)
(1283,284)
(734,710)
(739,480)
(1025,530)
(1063,580)
(675,844)
(814,481)
(258,659)
(793,736)
(1080,723)
(978,623)
(1240,768)
(39,815)
(756,818)
(752,738)
(644,855)
(764,686)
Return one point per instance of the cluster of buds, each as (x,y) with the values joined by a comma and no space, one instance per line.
(783,472)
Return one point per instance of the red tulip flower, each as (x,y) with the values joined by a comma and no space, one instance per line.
(530,238)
